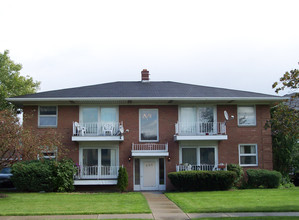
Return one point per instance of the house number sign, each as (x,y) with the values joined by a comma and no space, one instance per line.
(149,164)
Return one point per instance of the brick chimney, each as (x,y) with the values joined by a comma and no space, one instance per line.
(144,75)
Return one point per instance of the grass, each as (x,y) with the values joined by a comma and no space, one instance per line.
(72,203)
(251,200)
(252,218)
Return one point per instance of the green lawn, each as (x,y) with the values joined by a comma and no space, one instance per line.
(251,200)
(72,203)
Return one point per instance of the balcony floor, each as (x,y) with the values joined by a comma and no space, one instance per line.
(97,138)
(83,182)
(200,138)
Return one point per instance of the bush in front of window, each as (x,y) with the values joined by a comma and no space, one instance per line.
(259,178)
(43,175)
(239,173)
(202,180)
(122,179)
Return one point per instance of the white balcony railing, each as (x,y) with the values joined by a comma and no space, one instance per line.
(150,147)
(203,167)
(97,129)
(200,128)
(97,172)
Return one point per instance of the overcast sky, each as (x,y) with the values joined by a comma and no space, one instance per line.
(245,45)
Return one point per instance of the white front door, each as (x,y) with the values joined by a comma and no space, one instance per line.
(149,174)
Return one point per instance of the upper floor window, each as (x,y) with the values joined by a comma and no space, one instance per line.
(99,120)
(246,115)
(148,125)
(47,116)
(248,154)
(198,120)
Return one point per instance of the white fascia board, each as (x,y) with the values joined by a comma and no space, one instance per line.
(147,99)
(201,138)
(97,138)
(94,182)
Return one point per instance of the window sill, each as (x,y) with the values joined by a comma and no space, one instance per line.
(47,126)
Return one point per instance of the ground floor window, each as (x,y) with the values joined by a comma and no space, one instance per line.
(197,155)
(248,154)
(98,161)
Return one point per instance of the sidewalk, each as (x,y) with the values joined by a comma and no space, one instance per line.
(162,208)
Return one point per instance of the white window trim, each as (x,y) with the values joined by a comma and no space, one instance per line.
(256,155)
(197,110)
(47,126)
(198,153)
(157,125)
(99,111)
(250,125)
(99,147)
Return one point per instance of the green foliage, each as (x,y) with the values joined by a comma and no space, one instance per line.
(288,80)
(43,175)
(11,82)
(202,180)
(239,173)
(284,125)
(122,179)
(258,178)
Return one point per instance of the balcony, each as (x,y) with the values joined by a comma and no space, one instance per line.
(202,167)
(98,131)
(200,131)
(150,149)
(96,175)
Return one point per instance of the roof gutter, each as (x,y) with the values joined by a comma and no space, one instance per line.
(271,99)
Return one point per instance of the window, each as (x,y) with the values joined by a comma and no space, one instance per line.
(248,154)
(99,120)
(189,156)
(98,161)
(148,125)
(47,116)
(197,120)
(199,155)
(246,116)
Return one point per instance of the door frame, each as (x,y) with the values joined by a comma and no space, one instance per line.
(142,161)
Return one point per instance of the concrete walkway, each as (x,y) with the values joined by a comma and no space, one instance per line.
(162,207)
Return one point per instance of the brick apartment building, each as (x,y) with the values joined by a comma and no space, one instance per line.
(153,128)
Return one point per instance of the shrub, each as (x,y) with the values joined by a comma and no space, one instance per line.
(202,180)
(43,175)
(239,173)
(258,178)
(122,179)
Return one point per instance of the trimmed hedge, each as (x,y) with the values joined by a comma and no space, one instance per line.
(202,180)
(43,175)
(258,178)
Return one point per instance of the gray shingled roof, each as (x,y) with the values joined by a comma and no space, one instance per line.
(144,90)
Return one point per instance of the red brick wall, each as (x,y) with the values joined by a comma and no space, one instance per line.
(66,116)
(228,151)
(168,116)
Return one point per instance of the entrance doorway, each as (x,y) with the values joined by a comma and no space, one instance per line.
(149,174)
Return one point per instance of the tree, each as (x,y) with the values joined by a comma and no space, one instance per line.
(11,82)
(284,123)
(288,80)
(24,143)
(285,134)
(122,179)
